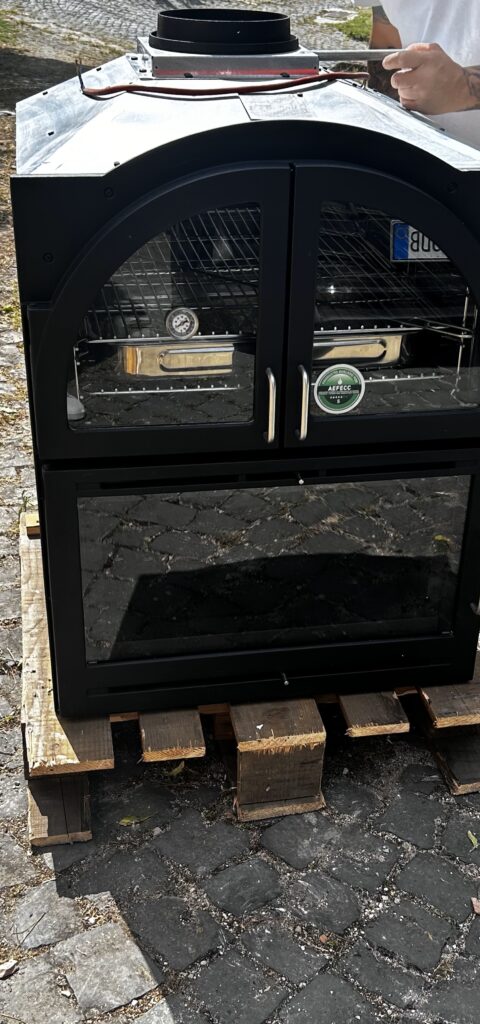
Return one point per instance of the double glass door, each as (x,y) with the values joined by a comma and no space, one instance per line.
(250,315)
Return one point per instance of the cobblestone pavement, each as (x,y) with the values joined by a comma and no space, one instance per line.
(104,18)
(179,914)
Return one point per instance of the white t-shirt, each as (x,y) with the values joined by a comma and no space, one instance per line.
(455,26)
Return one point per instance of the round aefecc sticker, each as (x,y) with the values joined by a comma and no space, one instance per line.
(339,389)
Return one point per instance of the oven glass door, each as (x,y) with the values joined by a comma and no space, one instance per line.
(170,339)
(391,329)
(168,333)
(214,570)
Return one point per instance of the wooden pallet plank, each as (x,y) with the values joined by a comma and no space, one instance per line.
(32,525)
(277,809)
(59,810)
(53,745)
(457,752)
(171,735)
(373,714)
(277,725)
(452,705)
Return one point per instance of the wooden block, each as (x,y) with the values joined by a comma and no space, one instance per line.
(277,725)
(32,524)
(124,716)
(279,774)
(280,749)
(373,714)
(222,727)
(255,812)
(457,752)
(52,745)
(59,810)
(171,735)
(452,705)
(213,709)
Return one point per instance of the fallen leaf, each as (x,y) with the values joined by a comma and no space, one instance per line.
(8,968)
(475,905)
(133,819)
(178,768)
(473,839)
(323,938)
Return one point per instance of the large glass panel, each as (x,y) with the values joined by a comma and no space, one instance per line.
(170,339)
(390,305)
(242,569)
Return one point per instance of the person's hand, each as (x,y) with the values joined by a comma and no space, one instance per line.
(428,80)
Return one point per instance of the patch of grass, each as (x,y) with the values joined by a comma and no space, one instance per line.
(8,28)
(358,28)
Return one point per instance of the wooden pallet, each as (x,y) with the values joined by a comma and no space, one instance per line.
(278,746)
(59,753)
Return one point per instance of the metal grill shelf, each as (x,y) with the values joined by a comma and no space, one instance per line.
(358,284)
(209,263)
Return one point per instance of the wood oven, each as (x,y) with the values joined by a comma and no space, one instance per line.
(249,293)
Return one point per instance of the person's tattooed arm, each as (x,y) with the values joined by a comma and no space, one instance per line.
(472,81)
(384,37)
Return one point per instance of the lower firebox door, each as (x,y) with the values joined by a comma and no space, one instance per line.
(217,583)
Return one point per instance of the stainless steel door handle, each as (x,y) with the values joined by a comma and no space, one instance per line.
(302,433)
(272,405)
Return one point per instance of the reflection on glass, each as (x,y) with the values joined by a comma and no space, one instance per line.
(230,570)
(170,339)
(388,301)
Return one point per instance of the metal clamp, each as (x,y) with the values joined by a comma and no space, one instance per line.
(302,433)
(272,405)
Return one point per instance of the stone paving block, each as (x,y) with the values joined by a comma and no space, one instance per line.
(411,932)
(43,917)
(201,847)
(13,796)
(33,995)
(472,944)
(411,817)
(15,865)
(150,805)
(233,991)
(172,1010)
(456,842)
(403,989)
(345,796)
(174,931)
(284,953)
(440,883)
(455,1000)
(361,859)
(104,967)
(422,779)
(327,1000)
(11,751)
(60,858)
(244,888)
(137,868)
(323,903)
(6,708)
(301,838)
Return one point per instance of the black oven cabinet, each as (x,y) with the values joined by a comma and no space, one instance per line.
(95,182)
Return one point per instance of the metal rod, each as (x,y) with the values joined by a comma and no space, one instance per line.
(335,56)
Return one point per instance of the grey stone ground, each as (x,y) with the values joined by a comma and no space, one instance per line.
(358,913)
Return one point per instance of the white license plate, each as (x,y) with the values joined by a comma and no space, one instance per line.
(407,243)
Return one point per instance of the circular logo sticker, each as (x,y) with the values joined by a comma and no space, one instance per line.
(339,389)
